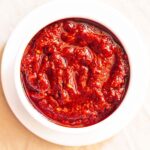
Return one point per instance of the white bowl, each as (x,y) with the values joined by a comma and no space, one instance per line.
(110,18)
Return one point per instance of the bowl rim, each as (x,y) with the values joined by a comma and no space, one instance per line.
(26,26)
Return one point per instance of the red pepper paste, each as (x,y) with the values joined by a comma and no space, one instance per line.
(75,72)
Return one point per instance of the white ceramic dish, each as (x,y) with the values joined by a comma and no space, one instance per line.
(31,118)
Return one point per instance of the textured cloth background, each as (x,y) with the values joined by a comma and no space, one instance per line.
(13,135)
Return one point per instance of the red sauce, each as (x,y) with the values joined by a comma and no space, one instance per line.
(75,72)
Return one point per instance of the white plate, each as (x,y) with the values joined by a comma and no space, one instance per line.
(59,9)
